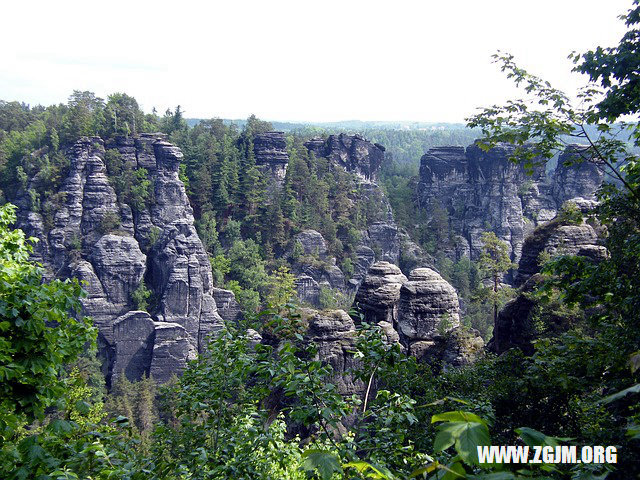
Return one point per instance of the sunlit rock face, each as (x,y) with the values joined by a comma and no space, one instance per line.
(115,250)
(420,312)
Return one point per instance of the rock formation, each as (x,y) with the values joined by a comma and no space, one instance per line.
(270,149)
(334,332)
(421,312)
(100,240)
(353,152)
(564,235)
(428,306)
(379,295)
(560,236)
(479,191)
(313,267)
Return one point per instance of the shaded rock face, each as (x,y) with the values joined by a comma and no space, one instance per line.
(379,294)
(353,152)
(272,158)
(480,191)
(334,334)
(312,242)
(514,327)
(555,238)
(428,306)
(97,239)
(580,180)
(315,268)
(228,306)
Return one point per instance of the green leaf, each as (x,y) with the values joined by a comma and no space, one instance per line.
(619,395)
(325,462)
(457,416)
(468,440)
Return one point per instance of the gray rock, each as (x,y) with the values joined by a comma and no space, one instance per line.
(480,191)
(134,337)
(99,240)
(457,348)
(379,294)
(172,349)
(334,332)
(315,268)
(271,154)
(513,327)
(228,307)
(575,177)
(555,238)
(308,289)
(428,306)
(312,242)
(120,266)
(352,152)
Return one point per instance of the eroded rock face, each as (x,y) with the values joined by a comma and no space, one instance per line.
(479,191)
(100,240)
(581,179)
(172,349)
(421,312)
(228,306)
(379,294)
(428,306)
(270,149)
(334,334)
(134,336)
(558,237)
(314,268)
(353,152)
(515,326)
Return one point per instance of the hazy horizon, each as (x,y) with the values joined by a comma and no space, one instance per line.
(296,62)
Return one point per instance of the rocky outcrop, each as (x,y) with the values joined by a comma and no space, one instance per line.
(560,236)
(428,306)
(378,297)
(567,234)
(353,152)
(421,312)
(477,190)
(333,332)
(575,178)
(313,267)
(228,306)
(116,250)
(271,154)
(514,326)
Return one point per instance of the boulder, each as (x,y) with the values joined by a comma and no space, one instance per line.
(428,306)
(379,294)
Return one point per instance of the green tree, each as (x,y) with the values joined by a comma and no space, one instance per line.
(494,262)
(38,334)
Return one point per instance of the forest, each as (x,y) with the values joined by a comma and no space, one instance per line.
(271,409)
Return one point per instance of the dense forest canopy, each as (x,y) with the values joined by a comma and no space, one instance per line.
(270,409)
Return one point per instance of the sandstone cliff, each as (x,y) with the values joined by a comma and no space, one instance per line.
(116,250)
(482,191)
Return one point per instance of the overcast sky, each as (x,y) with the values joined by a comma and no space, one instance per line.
(296,60)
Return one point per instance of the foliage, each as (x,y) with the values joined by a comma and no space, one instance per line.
(38,335)
(140,297)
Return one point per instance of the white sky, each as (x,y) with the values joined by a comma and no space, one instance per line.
(296,60)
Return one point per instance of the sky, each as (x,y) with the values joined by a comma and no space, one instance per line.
(298,60)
